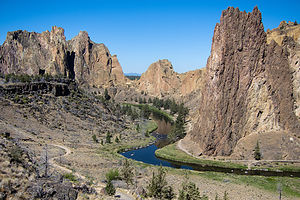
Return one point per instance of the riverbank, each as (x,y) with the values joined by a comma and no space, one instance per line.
(171,152)
(290,186)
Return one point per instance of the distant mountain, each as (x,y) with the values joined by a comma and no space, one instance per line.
(132,74)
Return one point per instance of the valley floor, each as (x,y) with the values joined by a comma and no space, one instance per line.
(72,150)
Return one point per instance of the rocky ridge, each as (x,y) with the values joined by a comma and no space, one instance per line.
(161,80)
(81,59)
(248,89)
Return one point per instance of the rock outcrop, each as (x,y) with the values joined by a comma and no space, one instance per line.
(57,89)
(247,90)
(285,29)
(288,36)
(34,53)
(81,59)
(160,79)
(93,64)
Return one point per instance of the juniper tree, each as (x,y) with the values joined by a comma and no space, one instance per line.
(127,172)
(158,186)
(257,154)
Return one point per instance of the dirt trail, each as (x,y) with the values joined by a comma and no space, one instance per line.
(122,193)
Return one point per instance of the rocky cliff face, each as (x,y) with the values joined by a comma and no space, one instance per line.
(93,64)
(287,35)
(31,53)
(160,79)
(247,90)
(81,59)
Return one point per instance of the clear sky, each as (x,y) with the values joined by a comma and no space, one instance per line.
(141,32)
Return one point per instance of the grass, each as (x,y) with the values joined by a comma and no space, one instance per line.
(280,167)
(151,126)
(171,152)
(290,186)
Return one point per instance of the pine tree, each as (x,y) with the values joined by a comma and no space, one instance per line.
(158,186)
(257,154)
(189,191)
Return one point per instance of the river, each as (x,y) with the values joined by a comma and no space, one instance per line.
(147,155)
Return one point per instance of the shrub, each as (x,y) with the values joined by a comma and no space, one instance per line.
(189,191)
(112,174)
(16,154)
(109,188)
(70,176)
(95,138)
(158,186)
(127,172)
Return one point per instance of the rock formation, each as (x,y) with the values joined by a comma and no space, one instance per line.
(93,64)
(247,90)
(81,59)
(288,36)
(160,79)
(34,53)
(285,29)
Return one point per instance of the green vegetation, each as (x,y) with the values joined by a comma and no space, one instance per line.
(112,149)
(14,78)
(151,126)
(95,138)
(134,77)
(16,154)
(146,110)
(108,138)
(112,174)
(127,172)
(109,188)
(158,186)
(290,186)
(189,191)
(171,152)
(178,130)
(257,154)
(70,176)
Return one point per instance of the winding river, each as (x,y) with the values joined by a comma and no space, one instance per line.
(147,155)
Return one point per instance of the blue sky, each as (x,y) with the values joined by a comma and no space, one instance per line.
(141,32)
